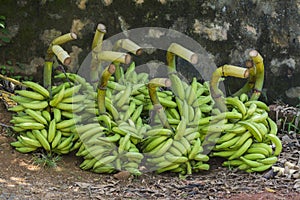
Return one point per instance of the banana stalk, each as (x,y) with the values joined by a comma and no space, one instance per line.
(225,70)
(176,49)
(50,55)
(129,46)
(96,48)
(106,74)
(250,82)
(152,86)
(259,80)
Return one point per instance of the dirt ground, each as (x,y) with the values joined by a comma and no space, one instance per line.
(20,178)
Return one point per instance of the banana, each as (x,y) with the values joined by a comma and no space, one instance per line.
(201,100)
(70,107)
(56,139)
(270,160)
(113,138)
(236,103)
(159,132)
(173,150)
(98,131)
(37,88)
(123,143)
(195,149)
(115,86)
(253,130)
(261,168)
(83,128)
(227,144)
(251,110)
(259,104)
(201,157)
(30,94)
(177,86)
(242,140)
(205,108)
(176,159)
(26,149)
(161,148)
(154,142)
(134,156)
(17,108)
(167,168)
(39,118)
(244,167)
(137,113)
(46,115)
(71,91)
(244,97)
(254,156)
(191,98)
(125,97)
(56,114)
(167,103)
(20,99)
(260,150)
(30,125)
(74,99)
(241,150)
(35,105)
(237,129)
(129,111)
(67,123)
(276,141)
(106,121)
(251,163)
(180,129)
(17,120)
(225,137)
(51,131)
(104,161)
(30,142)
(88,164)
(265,146)
(43,140)
(259,117)
(65,114)
(192,136)
(65,142)
(180,147)
(233,163)
(17,143)
(57,97)
(186,144)
(273,126)
(202,166)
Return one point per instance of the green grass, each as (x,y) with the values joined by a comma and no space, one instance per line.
(46,160)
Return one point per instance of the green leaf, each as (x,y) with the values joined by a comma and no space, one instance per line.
(5,39)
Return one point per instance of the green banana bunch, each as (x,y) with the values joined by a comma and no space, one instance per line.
(247,144)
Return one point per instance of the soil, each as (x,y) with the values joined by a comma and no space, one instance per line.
(20,178)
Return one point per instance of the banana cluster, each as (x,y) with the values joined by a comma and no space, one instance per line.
(47,121)
(246,141)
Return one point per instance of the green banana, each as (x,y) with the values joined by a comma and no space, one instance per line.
(56,139)
(57,97)
(37,88)
(241,150)
(35,105)
(253,130)
(30,125)
(39,118)
(30,94)
(43,140)
(30,142)
(270,160)
(259,104)
(276,141)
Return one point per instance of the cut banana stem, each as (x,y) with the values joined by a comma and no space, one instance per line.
(251,80)
(99,35)
(128,45)
(153,84)
(259,80)
(61,54)
(106,74)
(225,70)
(114,56)
(183,53)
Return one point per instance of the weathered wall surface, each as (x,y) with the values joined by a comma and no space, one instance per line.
(227,29)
